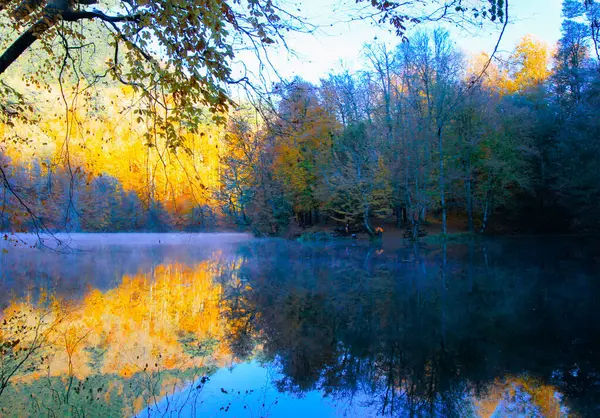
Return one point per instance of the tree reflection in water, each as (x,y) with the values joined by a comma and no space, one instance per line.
(505,327)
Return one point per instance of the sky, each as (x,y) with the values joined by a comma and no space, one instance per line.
(337,44)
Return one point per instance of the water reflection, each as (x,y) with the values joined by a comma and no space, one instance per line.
(271,328)
(142,336)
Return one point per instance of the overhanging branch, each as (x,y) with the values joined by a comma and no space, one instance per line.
(23,42)
(73,16)
(50,18)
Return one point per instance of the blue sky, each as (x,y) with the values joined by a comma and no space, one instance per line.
(340,45)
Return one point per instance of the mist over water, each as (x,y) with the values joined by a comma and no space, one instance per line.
(227,325)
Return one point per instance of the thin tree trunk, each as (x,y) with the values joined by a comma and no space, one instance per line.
(2,214)
(399,215)
(485,214)
(469,204)
(442,180)
(367,223)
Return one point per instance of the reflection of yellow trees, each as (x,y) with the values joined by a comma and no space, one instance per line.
(25,335)
(544,397)
(144,319)
(153,320)
(154,333)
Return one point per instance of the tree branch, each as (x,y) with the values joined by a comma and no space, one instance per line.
(24,41)
(27,38)
(73,16)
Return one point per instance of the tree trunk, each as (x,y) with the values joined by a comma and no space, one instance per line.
(485,214)
(415,231)
(367,223)
(399,215)
(2,217)
(442,180)
(468,191)
(423,214)
(27,38)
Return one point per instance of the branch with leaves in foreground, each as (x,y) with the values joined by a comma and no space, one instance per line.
(184,46)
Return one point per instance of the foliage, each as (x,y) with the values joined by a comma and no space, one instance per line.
(91,356)
(356,185)
(419,133)
(303,131)
(183,47)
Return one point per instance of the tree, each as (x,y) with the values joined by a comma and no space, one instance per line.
(574,154)
(505,170)
(344,96)
(467,134)
(184,46)
(530,62)
(302,129)
(249,192)
(575,11)
(434,68)
(356,181)
(240,162)
(571,58)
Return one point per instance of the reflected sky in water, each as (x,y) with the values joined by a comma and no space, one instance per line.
(232,326)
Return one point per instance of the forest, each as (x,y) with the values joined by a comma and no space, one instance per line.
(97,139)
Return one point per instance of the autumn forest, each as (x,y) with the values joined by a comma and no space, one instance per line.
(424,134)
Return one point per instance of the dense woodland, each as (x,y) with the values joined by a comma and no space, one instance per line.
(423,134)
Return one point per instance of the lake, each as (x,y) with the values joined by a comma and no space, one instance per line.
(212,325)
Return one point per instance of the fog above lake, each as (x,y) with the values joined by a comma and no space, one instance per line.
(85,241)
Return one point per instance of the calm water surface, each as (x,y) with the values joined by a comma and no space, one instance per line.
(225,325)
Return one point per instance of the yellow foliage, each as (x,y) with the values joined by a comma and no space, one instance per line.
(542,396)
(139,324)
(530,65)
(302,146)
(109,135)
